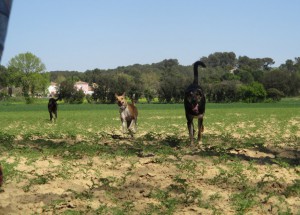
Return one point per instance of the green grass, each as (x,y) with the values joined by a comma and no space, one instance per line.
(91,119)
(83,133)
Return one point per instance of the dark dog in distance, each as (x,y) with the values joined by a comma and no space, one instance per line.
(52,108)
(128,113)
(194,104)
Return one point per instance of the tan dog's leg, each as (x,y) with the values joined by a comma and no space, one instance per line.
(124,126)
(133,126)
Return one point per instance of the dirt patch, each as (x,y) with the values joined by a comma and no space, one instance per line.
(137,176)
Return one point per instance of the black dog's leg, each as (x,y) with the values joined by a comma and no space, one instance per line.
(190,126)
(200,128)
(51,116)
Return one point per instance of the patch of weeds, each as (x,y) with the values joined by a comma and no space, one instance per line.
(54,205)
(251,142)
(223,157)
(226,137)
(237,172)
(55,135)
(221,178)
(293,189)
(270,184)
(122,209)
(234,175)
(244,200)
(167,202)
(188,166)
(9,171)
(33,135)
(215,197)
(41,179)
(72,135)
(160,159)
(71,212)
(152,209)
(189,194)
(115,210)
(86,194)
(283,162)
(203,169)
(209,204)
(122,180)
(64,171)
(151,136)
(251,166)
(166,151)
(107,183)
(172,141)
(6,138)
(281,208)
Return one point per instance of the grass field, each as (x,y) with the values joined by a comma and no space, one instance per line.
(248,162)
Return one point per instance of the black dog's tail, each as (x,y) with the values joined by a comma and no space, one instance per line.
(196,64)
(59,98)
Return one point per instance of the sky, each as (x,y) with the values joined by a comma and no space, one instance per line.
(80,35)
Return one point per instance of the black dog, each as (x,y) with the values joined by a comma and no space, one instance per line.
(194,104)
(52,108)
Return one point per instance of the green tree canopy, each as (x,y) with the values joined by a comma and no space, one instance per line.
(29,72)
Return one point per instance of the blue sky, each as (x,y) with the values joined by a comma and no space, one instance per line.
(87,34)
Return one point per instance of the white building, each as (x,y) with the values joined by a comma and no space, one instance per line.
(52,89)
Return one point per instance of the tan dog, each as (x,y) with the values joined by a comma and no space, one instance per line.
(128,114)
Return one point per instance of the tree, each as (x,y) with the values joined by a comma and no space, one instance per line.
(104,92)
(274,94)
(225,91)
(29,69)
(225,60)
(254,92)
(245,76)
(251,64)
(69,93)
(172,83)
(4,76)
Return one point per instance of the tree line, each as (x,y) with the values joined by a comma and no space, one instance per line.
(227,78)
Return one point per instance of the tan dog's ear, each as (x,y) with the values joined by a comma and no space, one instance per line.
(116,95)
(123,94)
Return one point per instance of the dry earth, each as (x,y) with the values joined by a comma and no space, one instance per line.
(201,180)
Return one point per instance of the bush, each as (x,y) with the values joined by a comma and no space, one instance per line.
(274,94)
(29,100)
(149,95)
(69,94)
(225,91)
(89,99)
(3,96)
(77,97)
(252,93)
